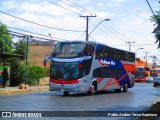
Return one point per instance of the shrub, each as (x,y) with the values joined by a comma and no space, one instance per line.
(33,73)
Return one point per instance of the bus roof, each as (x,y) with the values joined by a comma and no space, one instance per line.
(84,41)
(76,41)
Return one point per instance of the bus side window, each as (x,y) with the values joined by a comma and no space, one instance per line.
(89,49)
(114,54)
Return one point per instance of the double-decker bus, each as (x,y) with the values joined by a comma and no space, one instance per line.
(87,66)
(142,73)
(142,70)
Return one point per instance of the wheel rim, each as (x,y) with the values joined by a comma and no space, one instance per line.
(126,86)
(93,90)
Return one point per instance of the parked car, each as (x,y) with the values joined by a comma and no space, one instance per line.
(149,79)
(156,81)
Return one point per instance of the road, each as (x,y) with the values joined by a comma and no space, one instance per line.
(138,98)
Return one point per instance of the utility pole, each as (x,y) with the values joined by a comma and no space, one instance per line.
(154,61)
(87,18)
(26,69)
(146,55)
(130,43)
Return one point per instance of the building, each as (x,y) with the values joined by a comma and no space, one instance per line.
(38,51)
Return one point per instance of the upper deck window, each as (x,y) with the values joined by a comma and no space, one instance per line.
(113,53)
(67,50)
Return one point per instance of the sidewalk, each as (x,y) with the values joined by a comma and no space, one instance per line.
(9,90)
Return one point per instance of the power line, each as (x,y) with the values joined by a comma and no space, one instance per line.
(38,23)
(77,7)
(85,10)
(81,7)
(70,5)
(136,45)
(22,35)
(108,34)
(115,32)
(93,38)
(63,7)
(102,23)
(150,8)
(34,33)
(80,36)
(27,31)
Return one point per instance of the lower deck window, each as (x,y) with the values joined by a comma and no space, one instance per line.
(108,72)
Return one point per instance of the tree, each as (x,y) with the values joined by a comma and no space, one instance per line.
(5,39)
(20,48)
(156,31)
(17,68)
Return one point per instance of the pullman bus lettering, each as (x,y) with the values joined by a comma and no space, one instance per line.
(88,66)
(107,62)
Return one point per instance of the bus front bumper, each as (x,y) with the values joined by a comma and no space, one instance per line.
(76,87)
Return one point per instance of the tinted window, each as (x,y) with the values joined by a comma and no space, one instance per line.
(107,52)
(66,50)
(108,72)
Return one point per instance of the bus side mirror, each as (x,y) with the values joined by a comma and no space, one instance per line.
(46,59)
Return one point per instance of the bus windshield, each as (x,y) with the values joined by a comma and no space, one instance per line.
(140,70)
(68,50)
(140,75)
(64,71)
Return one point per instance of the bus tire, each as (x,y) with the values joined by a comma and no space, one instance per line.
(118,90)
(93,90)
(154,85)
(125,87)
(65,93)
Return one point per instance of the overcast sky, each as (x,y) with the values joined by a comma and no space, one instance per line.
(130,21)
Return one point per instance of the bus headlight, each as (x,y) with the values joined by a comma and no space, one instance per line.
(82,87)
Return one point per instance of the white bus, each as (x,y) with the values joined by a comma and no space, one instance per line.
(86,66)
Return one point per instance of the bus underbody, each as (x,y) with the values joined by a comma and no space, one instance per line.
(82,86)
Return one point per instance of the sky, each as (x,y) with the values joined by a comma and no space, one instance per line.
(129,22)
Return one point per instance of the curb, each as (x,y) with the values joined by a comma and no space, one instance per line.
(23,90)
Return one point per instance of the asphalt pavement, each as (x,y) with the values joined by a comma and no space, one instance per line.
(138,98)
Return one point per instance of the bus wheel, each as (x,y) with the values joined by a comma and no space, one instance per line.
(65,93)
(154,85)
(117,90)
(125,87)
(92,92)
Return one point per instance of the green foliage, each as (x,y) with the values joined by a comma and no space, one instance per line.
(18,70)
(20,48)
(5,39)
(35,73)
(156,31)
